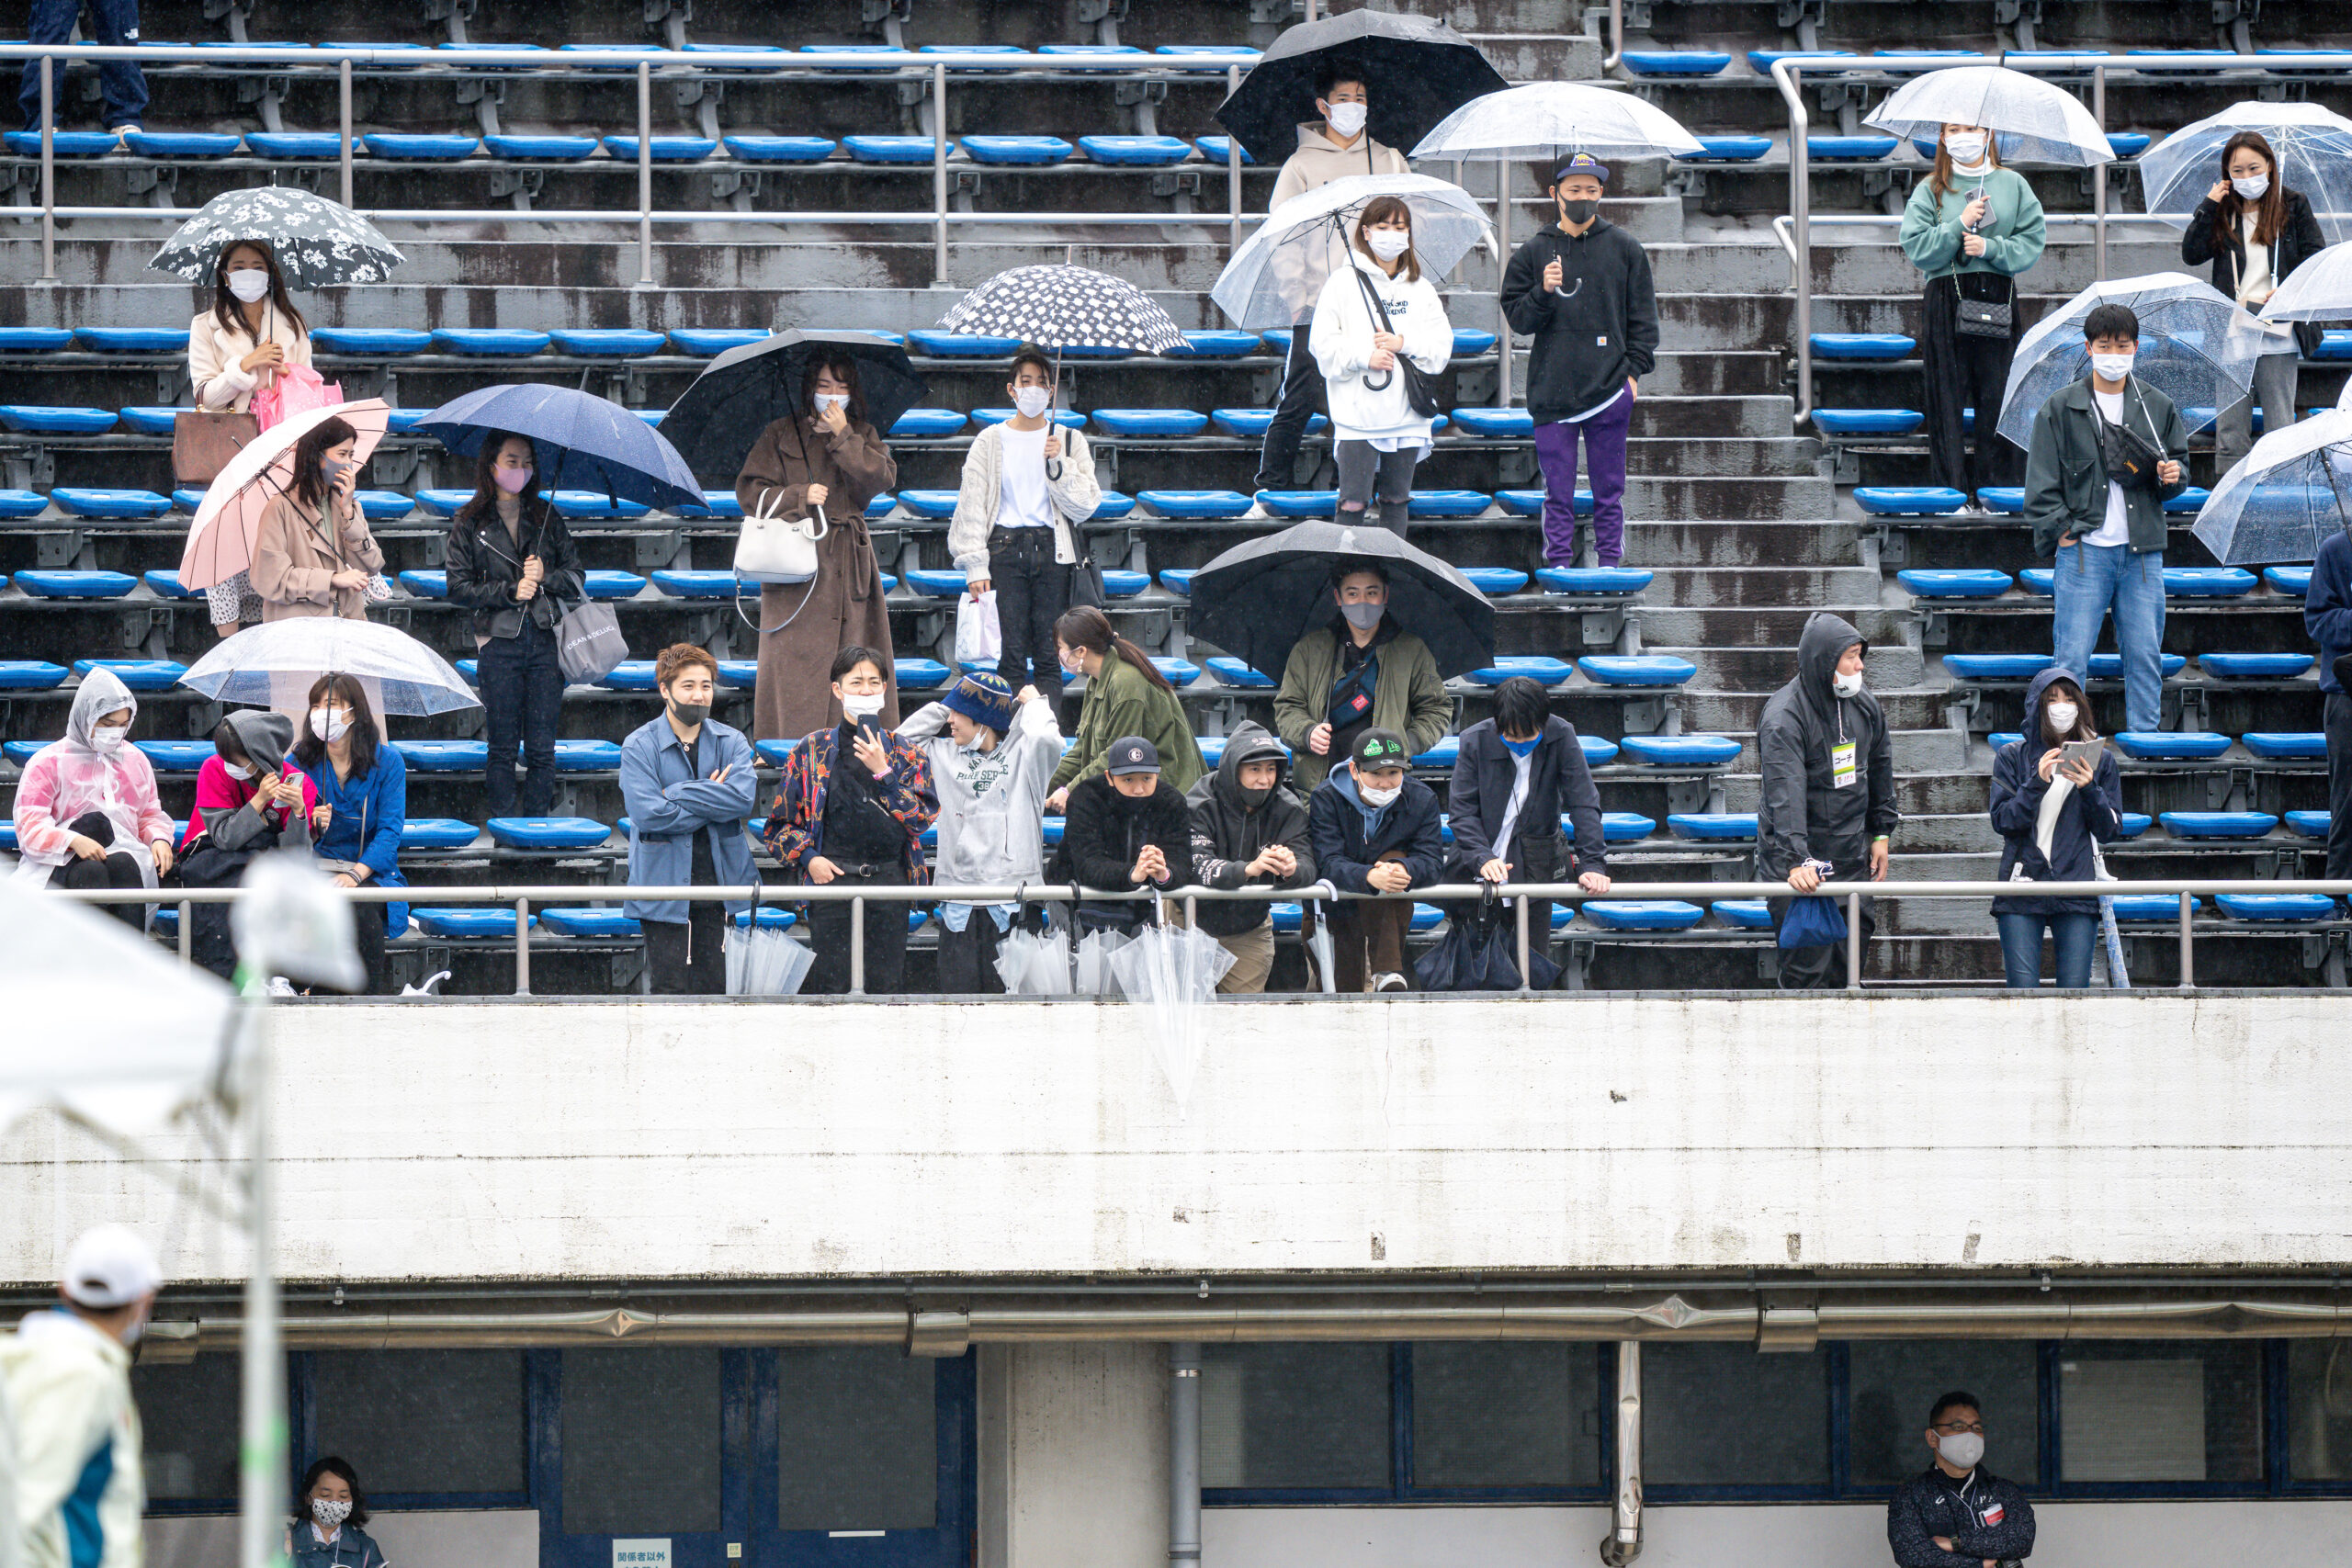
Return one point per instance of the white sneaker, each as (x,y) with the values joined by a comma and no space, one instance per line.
(279,986)
(1391,981)
(123,134)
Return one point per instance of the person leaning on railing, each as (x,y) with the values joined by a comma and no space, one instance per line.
(2052,815)
(1375,830)
(1128,828)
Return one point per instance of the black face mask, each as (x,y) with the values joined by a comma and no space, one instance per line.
(1254,798)
(1579,211)
(690,713)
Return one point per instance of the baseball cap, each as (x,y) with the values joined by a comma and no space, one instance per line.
(108,1268)
(1581,164)
(1381,748)
(1132,754)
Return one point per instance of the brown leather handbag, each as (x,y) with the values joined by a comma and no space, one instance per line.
(203,440)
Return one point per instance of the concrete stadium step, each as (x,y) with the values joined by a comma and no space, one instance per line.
(2068,266)
(1696,371)
(1768,497)
(1764,587)
(1917,794)
(1678,624)
(1540,55)
(1658,413)
(1721,455)
(1739,713)
(1890,666)
(1713,543)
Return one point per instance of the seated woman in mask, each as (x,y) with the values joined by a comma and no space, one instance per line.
(87,815)
(248,801)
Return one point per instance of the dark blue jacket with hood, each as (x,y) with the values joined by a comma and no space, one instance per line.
(2091,816)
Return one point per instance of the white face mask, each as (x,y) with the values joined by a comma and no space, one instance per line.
(1033,400)
(1961,1450)
(237,772)
(1376,799)
(108,739)
(327,728)
(1388,243)
(1967,148)
(251,285)
(2111,367)
(2062,717)
(1847,685)
(826,400)
(330,1511)
(1347,119)
(861,707)
(2251,189)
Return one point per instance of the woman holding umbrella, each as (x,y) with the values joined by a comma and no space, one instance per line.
(2255,231)
(1372,318)
(826,460)
(314,555)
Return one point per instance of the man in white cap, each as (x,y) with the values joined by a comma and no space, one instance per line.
(66,1374)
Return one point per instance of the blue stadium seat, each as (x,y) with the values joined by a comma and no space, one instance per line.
(22,504)
(739,674)
(1120,583)
(1997,666)
(2310,824)
(2176,62)
(628,675)
(165,581)
(151,419)
(21,751)
(1868,422)
(1014,55)
(1033,151)
(2009,500)
(1760,60)
(711,341)
(1714,827)
(1862,345)
(139,674)
(1642,914)
(1449,502)
(704,585)
(1277,340)
(1673,62)
(961,346)
(772,752)
(1094,56)
(421,148)
(857,56)
(1216,344)
(1494,579)
(384,505)
(2254,666)
(1728,150)
(604,923)
(1442,754)
(2142,907)
(587,755)
(1219,148)
(932,504)
(2217,824)
(2208,581)
(1180,673)
(442,502)
(1469,341)
(714,504)
(889,149)
(1636,669)
(2282,745)
(936,583)
(542,149)
(1148,422)
(47,340)
(921,674)
(443,756)
(75,501)
(2171,745)
(1516,424)
(485,43)
(437,833)
(1908,501)
(1068,418)
(372,340)
(1179,580)
(1239,54)
(622,56)
(1598,752)
(1682,750)
(548,832)
(2334,344)
(65,143)
(60,582)
(1194,502)
(470,669)
(133,340)
(2193,499)
(45,419)
(666,149)
(594,503)
(1743,914)
(427,582)
(1114,503)
(2295,579)
(1956,584)
(604,341)
(296,146)
(769,917)
(2110,666)
(176,756)
(1253,423)
(2037,580)
(1530,502)
(2295,907)
(31,675)
(1893,70)
(1231,671)
(1537,667)
(501,340)
(400,421)
(603,583)
(461,921)
(781,148)
(1848,149)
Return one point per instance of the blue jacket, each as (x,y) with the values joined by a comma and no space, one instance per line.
(352,1547)
(668,806)
(2090,816)
(2328,606)
(1347,842)
(370,809)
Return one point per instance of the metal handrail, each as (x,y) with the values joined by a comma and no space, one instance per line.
(936,67)
(1784,75)
(1851,894)
(1616,37)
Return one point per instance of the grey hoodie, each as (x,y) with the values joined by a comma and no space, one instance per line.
(1806,814)
(994,839)
(1228,834)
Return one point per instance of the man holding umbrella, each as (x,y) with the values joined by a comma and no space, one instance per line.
(1378,675)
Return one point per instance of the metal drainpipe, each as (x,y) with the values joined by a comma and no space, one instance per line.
(1624,1542)
(1183,1456)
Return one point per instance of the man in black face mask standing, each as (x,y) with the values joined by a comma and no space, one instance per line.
(1581,288)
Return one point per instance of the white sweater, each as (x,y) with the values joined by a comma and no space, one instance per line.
(213,354)
(68,1388)
(1341,340)
(996,839)
(1069,485)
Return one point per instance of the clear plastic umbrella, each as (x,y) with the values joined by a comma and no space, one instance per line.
(2036,120)
(2197,346)
(1274,278)
(2290,493)
(2318,290)
(1172,972)
(2314,148)
(1544,118)
(259,664)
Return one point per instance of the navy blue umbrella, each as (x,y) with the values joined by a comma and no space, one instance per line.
(579,442)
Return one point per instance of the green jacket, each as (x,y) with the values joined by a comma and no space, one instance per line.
(2065,479)
(1931,233)
(1411,699)
(1120,701)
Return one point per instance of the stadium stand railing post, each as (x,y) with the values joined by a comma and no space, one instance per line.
(522,947)
(938,175)
(48,172)
(2098,177)
(1232,171)
(857,945)
(343,121)
(645,174)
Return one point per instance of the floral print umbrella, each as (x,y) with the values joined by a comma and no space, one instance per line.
(318,243)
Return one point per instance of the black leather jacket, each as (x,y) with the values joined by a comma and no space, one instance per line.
(484,566)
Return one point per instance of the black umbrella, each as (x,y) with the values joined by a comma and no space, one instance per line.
(1257,599)
(1420,70)
(715,422)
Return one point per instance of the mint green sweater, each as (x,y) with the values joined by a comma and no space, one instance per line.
(2012,227)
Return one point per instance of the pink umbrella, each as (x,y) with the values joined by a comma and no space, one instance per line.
(220,540)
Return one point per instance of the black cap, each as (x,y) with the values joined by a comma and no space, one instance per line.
(1132,754)
(1378,749)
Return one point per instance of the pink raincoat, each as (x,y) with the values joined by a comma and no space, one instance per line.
(72,776)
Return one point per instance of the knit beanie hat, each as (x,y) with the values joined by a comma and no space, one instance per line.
(984,698)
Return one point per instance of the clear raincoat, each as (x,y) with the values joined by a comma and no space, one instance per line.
(66,779)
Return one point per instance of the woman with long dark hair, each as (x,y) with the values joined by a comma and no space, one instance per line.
(2255,231)
(1373,314)
(512,563)
(329,1508)
(362,787)
(1971,227)
(2027,773)
(1126,694)
(235,348)
(314,555)
(826,461)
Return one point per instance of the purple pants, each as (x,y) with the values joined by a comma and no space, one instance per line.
(1604,452)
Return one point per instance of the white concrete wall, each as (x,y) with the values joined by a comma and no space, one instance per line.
(1073,1443)
(642,1142)
(468,1538)
(2071,1535)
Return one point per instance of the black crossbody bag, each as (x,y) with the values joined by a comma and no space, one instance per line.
(1421,386)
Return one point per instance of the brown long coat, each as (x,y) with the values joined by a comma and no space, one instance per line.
(844,606)
(294,558)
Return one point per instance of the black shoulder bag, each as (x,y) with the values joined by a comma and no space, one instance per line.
(1421,386)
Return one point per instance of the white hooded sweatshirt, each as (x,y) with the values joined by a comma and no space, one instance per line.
(1344,323)
(79,1490)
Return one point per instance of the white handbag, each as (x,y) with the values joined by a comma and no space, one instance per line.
(778,549)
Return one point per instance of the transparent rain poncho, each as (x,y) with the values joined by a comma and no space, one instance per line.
(71,777)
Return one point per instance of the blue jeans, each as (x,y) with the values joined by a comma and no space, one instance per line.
(2089,578)
(113,23)
(2075,937)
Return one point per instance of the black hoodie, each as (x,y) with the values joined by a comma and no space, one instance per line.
(1598,328)
(1805,815)
(1105,832)
(1228,833)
